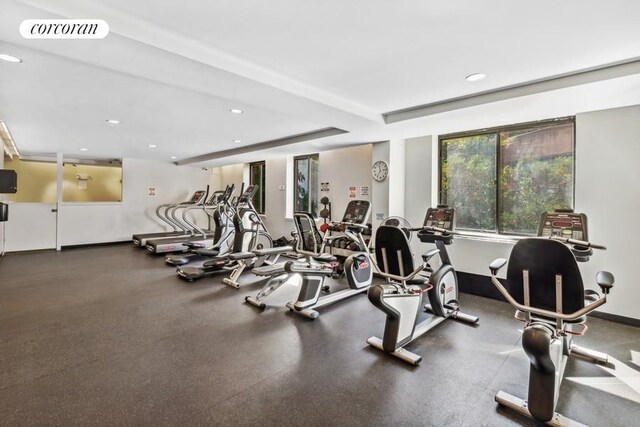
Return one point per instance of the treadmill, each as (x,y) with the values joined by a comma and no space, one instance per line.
(197,236)
(167,217)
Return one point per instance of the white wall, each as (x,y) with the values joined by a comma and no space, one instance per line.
(344,168)
(232,174)
(341,168)
(607,180)
(380,190)
(276,199)
(606,189)
(418,171)
(108,222)
(418,179)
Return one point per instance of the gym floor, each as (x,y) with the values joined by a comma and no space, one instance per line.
(110,336)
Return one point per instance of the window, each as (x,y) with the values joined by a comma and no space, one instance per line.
(257,177)
(500,180)
(305,193)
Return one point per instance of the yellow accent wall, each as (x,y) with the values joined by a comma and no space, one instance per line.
(36,181)
(104,183)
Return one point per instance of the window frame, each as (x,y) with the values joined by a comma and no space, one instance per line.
(497,130)
(261,185)
(295,179)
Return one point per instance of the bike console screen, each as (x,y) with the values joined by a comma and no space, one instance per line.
(563,224)
(441,217)
(357,212)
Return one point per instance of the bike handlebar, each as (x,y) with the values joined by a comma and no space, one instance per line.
(432,228)
(578,242)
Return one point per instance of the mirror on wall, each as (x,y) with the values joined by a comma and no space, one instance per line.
(92,181)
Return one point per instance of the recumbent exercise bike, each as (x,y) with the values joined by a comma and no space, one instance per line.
(401,298)
(545,286)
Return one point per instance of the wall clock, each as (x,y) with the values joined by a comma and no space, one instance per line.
(380,170)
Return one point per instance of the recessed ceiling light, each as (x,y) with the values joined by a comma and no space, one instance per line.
(475,77)
(113,122)
(236,111)
(237,141)
(84,149)
(152,146)
(9,58)
(173,157)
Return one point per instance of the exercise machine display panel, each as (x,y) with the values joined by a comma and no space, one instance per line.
(563,224)
(357,212)
(197,197)
(442,217)
(249,193)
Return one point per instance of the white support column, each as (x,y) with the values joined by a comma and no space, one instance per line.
(379,190)
(396,177)
(60,171)
(387,197)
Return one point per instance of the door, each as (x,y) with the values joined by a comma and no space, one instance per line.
(31,226)
(33,216)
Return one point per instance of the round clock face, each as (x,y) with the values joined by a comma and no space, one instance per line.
(380,170)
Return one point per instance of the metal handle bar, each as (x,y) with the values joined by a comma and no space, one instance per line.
(432,228)
(578,242)
(546,313)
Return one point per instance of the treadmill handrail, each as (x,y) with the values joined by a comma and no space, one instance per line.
(191,224)
(164,218)
(186,205)
(173,216)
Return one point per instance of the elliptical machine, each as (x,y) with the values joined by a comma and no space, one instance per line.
(250,234)
(545,286)
(401,298)
(223,236)
(317,264)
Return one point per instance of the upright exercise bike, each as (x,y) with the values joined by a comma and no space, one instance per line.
(545,286)
(401,298)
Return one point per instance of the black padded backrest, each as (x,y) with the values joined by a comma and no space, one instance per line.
(309,238)
(545,258)
(390,241)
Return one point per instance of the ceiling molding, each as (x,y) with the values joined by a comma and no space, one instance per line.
(561,81)
(294,139)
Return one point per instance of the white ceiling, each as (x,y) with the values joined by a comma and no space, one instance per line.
(171,71)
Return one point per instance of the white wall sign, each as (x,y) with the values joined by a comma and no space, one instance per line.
(324,186)
(364,190)
(152,191)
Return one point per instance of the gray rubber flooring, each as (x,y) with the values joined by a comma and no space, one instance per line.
(110,336)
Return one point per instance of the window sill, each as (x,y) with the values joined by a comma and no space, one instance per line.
(489,237)
(90,203)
